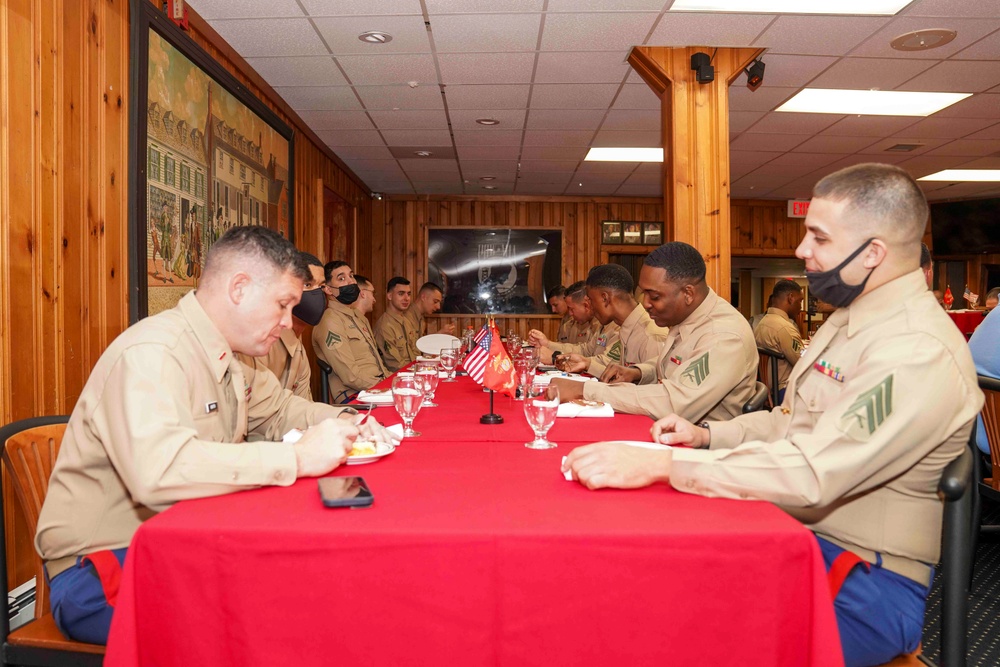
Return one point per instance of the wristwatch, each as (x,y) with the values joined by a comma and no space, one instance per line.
(704,425)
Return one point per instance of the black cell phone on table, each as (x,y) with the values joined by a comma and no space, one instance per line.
(345,492)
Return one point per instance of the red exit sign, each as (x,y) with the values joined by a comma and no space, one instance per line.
(797,208)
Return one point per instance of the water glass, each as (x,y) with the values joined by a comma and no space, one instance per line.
(540,411)
(427,375)
(513,342)
(449,362)
(523,373)
(408,395)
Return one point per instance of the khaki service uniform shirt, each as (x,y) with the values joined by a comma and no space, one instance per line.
(880,403)
(639,340)
(604,339)
(162,418)
(344,340)
(708,367)
(288,361)
(396,338)
(574,333)
(777,332)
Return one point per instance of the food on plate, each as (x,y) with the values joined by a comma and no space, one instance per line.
(366,448)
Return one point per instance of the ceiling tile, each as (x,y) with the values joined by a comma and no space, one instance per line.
(486,68)
(749,141)
(922,165)
(758,181)
(792,71)
(804,162)
(604,5)
(969,147)
(819,35)
(401,97)
(870,73)
(960,76)
(985,49)
(983,105)
(270,37)
(637,96)
(485,96)
(351,138)
(488,138)
(489,152)
(498,188)
(383,167)
(416,164)
(341,34)
(981,163)
(525,188)
(530,165)
(765,98)
(363,152)
(367,8)
(389,69)
(336,120)
(465,119)
(632,119)
(299,71)
(553,153)
(992,132)
(628,139)
(650,169)
(312,98)
(420,177)
(439,188)
(947,128)
(558,137)
(502,169)
(969,31)
(567,119)
(640,189)
(481,6)
(561,178)
(417,137)
(741,120)
(596,31)
(405,120)
(247,9)
(582,67)
(458,33)
(903,138)
(605,170)
(573,95)
(835,144)
(938,8)
(870,126)
(701,29)
(795,123)
(751,158)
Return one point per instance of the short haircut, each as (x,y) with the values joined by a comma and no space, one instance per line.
(557,293)
(361,280)
(611,276)
(430,287)
(256,242)
(992,294)
(883,197)
(682,262)
(925,256)
(310,259)
(330,267)
(783,287)
(577,291)
(394,281)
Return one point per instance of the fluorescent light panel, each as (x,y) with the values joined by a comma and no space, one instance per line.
(624,155)
(862,7)
(870,102)
(962,175)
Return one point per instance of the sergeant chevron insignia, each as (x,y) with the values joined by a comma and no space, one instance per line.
(869,411)
(332,338)
(696,371)
(615,351)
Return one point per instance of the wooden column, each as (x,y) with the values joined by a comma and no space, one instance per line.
(695,147)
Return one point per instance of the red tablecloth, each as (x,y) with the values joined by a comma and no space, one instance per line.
(476,552)
(967,320)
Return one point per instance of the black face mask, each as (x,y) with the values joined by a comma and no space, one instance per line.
(310,308)
(348,294)
(830,287)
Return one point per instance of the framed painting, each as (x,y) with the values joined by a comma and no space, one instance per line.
(632,233)
(611,232)
(205,155)
(652,233)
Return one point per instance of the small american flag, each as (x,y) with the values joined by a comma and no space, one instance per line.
(970,296)
(475,360)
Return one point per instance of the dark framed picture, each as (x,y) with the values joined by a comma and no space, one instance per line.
(632,233)
(611,232)
(652,233)
(204,154)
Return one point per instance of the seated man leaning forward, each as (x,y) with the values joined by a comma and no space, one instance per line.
(164,417)
(880,403)
(708,365)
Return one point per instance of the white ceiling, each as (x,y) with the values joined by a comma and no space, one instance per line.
(554,73)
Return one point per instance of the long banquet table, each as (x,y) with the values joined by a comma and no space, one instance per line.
(476,552)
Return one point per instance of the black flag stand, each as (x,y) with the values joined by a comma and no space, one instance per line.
(492,417)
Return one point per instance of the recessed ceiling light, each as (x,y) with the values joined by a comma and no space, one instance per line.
(864,7)
(423,153)
(487,121)
(922,40)
(969,175)
(375,37)
(870,102)
(625,155)
(487,178)
(489,187)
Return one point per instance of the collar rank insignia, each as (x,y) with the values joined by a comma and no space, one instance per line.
(869,411)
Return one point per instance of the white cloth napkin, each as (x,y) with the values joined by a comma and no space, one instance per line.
(545,379)
(572,409)
(380,398)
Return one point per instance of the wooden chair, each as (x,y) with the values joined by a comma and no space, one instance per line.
(767,372)
(758,399)
(30,447)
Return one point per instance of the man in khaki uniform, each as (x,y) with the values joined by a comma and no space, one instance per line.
(779,333)
(287,358)
(428,302)
(880,403)
(164,415)
(343,338)
(708,366)
(557,304)
(395,334)
(366,298)
(580,337)
(609,288)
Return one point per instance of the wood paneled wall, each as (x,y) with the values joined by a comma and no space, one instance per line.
(761,227)
(64,69)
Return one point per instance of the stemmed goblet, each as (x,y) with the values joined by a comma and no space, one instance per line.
(540,411)
(427,375)
(408,395)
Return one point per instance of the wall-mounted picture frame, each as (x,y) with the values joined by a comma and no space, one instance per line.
(632,233)
(205,155)
(652,233)
(611,232)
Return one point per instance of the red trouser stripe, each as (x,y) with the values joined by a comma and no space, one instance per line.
(109,571)
(840,568)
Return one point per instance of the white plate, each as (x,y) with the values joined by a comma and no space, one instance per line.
(376,397)
(434,343)
(381,450)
